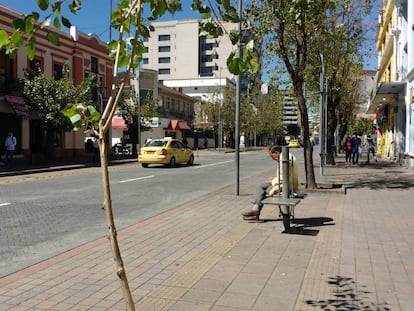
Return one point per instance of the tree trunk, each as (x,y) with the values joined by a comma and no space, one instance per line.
(133,134)
(343,128)
(307,146)
(331,128)
(112,233)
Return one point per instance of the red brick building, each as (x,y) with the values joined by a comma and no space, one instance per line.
(83,53)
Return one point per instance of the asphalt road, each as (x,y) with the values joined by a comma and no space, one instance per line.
(43,215)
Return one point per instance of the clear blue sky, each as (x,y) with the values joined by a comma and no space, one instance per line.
(94,14)
(94,18)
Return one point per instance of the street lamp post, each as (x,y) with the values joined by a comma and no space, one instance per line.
(237,111)
(323,121)
(220,126)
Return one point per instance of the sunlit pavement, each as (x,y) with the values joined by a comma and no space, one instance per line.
(351,251)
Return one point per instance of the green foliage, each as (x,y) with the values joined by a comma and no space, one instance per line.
(269,112)
(82,116)
(128,107)
(49,97)
(30,23)
(363,126)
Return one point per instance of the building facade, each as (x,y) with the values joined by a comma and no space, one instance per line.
(190,62)
(177,51)
(83,54)
(175,111)
(392,99)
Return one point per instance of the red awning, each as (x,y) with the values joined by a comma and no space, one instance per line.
(18,105)
(118,123)
(176,125)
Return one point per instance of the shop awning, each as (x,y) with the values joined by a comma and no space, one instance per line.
(385,94)
(176,125)
(18,105)
(118,123)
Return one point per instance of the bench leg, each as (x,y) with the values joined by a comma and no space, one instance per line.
(284,210)
(286,222)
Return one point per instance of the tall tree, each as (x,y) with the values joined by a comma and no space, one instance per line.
(340,43)
(288,29)
(47,97)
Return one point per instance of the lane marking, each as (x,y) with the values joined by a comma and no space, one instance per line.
(213,164)
(135,179)
(4,204)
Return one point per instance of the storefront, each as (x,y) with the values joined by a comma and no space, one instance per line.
(388,104)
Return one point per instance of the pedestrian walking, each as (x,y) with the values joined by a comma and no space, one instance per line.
(356,143)
(348,149)
(371,149)
(10,145)
(96,156)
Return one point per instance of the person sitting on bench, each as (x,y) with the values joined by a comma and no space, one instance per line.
(274,184)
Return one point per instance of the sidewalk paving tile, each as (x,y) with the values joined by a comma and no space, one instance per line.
(346,252)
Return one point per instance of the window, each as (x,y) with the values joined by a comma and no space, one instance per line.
(207,47)
(6,72)
(145,61)
(164,60)
(206,71)
(146,49)
(206,58)
(94,64)
(35,66)
(167,103)
(164,38)
(164,71)
(164,48)
(57,71)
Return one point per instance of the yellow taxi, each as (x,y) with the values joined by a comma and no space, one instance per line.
(294,143)
(167,151)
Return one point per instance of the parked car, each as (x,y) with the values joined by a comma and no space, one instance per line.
(294,143)
(165,151)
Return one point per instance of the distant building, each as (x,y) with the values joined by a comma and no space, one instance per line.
(290,110)
(175,111)
(187,61)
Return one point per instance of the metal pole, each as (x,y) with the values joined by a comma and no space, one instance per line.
(237,112)
(285,209)
(322,117)
(139,111)
(220,126)
(110,20)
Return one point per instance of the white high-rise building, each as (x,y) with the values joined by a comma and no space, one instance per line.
(177,51)
(188,62)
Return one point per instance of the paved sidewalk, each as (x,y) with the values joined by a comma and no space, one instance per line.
(347,252)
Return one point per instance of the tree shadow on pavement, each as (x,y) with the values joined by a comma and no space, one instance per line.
(384,175)
(349,296)
(389,180)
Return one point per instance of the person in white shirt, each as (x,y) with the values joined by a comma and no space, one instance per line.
(274,184)
(10,145)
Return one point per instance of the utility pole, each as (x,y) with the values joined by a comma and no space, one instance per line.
(322,118)
(237,112)
(220,126)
